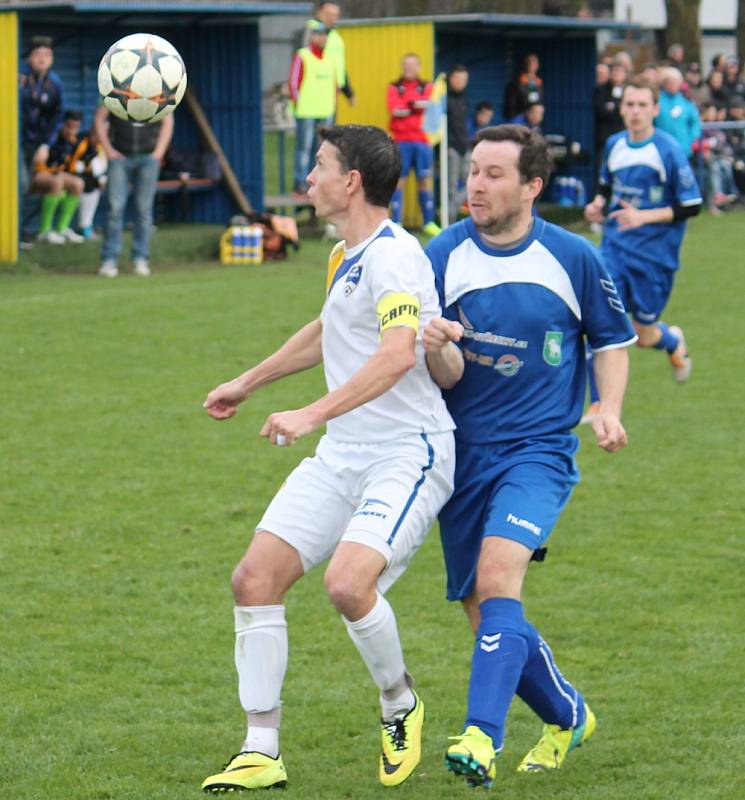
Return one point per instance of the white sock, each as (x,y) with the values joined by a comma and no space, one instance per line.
(261,662)
(87,207)
(376,638)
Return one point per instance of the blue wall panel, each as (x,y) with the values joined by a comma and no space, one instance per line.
(494,55)
(223,67)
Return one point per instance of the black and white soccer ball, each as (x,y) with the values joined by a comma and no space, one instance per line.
(142,78)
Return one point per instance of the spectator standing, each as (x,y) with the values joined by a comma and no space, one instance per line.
(602,73)
(678,116)
(696,90)
(61,188)
(606,102)
(676,57)
(458,139)
(313,90)
(408,98)
(525,90)
(532,117)
(328,14)
(716,94)
(651,73)
(733,82)
(134,153)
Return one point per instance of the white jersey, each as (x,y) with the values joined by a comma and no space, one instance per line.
(382,282)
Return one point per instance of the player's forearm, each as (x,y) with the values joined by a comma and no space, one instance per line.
(446,365)
(656,216)
(300,352)
(379,374)
(611,374)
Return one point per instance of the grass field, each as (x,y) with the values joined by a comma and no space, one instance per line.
(123,509)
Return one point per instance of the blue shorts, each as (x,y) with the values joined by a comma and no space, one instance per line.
(643,288)
(515,491)
(417,155)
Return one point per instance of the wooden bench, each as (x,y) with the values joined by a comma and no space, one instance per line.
(173,186)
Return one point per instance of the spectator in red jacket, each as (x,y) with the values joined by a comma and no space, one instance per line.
(408,98)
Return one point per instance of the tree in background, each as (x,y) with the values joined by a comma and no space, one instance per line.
(683,28)
(741,28)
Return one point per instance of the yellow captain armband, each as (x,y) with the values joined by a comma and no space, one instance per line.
(336,257)
(395,310)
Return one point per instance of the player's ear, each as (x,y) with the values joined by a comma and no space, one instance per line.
(535,187)
(354,180)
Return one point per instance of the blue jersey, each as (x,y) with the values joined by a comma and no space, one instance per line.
(526,313)
(654,173)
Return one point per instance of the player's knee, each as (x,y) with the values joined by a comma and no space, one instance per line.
(347,594)
(648,335)
(253,586)
(496,578)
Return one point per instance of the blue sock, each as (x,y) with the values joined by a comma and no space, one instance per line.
(427,204)
(591,383)
(668,341)
(397,205)
(499,656)
(546,690)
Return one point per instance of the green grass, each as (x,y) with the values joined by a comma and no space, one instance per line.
(123,509)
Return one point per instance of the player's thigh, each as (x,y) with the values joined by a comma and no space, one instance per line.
(462,518)
(401,494)
(407,157)
(651,288)
(309,512)
(423,160)
(72,184)
(529,498)
(46,183)
(266,572)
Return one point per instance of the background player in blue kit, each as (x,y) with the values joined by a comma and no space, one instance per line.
(649,190)
(520,296)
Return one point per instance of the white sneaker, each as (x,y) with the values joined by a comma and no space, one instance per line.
(51,237)
(70,235)
(142,268)
(680,360)
(109,269)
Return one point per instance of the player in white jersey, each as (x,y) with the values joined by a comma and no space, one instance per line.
(646,194)
(379,476)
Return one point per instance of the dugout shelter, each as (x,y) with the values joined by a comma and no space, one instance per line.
(492,47)
(219,42)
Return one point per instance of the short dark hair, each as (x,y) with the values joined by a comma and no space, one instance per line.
(71,114)
(535,158)
(41,41)
(484,105)
(371,152)
(641,82)
(458,68)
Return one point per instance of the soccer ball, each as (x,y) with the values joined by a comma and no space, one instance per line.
(142,78)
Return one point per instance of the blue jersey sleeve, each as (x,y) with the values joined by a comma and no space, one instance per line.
(604,320)
(684,189)
(605,176)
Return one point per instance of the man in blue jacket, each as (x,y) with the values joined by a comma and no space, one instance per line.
(678,115)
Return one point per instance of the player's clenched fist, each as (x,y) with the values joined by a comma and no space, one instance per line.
(222,402)
(609,432)
(439,332)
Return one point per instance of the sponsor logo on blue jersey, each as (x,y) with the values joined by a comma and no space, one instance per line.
(552,348)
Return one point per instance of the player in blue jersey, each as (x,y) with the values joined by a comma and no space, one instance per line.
(647,192)
(520,297)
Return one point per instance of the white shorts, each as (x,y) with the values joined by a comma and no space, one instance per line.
(385,495)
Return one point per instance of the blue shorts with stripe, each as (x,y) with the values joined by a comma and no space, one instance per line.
(515,491)
(643,288)
(385,495)
(417,155)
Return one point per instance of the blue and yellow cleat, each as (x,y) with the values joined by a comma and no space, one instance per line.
(402,745)
(556,743)
(248,770)
(472,755)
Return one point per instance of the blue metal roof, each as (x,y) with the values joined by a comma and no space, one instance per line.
(188,6)
(503,21)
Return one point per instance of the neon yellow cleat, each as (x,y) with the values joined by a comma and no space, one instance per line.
(431,229)
(556,743)
(248,770)
(402,745)
(472,756)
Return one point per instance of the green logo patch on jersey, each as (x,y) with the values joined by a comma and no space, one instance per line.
(552,348)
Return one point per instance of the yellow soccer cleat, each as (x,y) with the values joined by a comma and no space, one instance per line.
(248,770)
(556,743)
(402,745)
(472,755)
